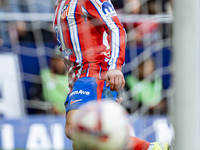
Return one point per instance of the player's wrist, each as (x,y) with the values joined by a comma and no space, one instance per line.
(118,67)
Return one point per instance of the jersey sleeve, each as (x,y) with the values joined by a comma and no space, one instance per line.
(103,12)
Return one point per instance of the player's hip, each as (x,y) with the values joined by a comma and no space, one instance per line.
(86,89)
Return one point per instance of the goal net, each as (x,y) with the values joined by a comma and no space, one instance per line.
(26,33)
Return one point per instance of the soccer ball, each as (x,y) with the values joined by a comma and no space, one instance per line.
(100,126)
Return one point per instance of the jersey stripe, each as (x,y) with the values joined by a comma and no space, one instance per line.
(88,70)
(115,48)
(85,11)
(58,22)
(74,31)
(100,71)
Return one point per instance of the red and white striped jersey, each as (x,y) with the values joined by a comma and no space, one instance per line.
(90,37)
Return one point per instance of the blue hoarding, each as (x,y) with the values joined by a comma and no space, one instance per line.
(47,132)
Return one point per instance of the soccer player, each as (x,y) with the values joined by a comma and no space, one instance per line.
(92,43)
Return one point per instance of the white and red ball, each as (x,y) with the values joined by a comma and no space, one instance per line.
(100,126)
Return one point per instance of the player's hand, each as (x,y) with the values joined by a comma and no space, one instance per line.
(115,79)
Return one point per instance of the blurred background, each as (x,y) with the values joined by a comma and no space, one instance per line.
(33,81)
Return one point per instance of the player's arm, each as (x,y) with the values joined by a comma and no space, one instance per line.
(103,12)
